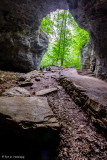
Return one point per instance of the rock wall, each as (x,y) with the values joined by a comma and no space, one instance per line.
(95,110)
(88,58)
(89,93)
(20,19)
(21,52)
(85,56)
(91,16)
(22,45)
(93,61)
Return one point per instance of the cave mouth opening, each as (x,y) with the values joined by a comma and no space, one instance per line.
(66,40)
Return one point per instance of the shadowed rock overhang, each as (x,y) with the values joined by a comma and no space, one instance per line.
(20,48)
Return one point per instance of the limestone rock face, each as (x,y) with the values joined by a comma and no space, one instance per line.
(88,58)
(85,56)
(20,47)
(93,61)
(21,52)
(91,16)
(22,44)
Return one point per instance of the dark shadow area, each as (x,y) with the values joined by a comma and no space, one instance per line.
(31,144)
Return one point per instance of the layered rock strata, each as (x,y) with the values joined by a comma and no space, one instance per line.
(85,56)
(89,93)
(20,48)
(91,16)
(28,127)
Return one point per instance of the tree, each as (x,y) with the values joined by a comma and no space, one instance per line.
(65,39)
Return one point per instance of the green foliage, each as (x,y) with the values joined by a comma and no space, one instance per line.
(65,40)
(47,25)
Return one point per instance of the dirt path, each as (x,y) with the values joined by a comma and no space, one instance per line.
(80,140)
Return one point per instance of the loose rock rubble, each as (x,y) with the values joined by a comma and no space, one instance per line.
(89,93)
(79,138)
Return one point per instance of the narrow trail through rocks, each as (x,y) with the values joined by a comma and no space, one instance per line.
(79,138)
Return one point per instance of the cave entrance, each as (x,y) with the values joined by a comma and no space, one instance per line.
(66,39)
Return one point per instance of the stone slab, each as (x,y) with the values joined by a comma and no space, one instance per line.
(28,112)
(46,91)
(95,88)
(16,91)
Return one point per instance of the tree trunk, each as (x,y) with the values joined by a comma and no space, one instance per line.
(60,39)
(64,38)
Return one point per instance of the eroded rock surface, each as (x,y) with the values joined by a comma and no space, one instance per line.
(22,52)
(89,93)
(22,43)
(85,56)
(91,15)
(29,76)
(79,138)
(24,111)
(21,40)
(16,91)
(28,127)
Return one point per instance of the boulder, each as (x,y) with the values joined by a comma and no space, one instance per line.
(28,127)
(28,112)
(28,76)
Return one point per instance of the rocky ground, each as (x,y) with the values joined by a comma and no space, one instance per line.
(79,138)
